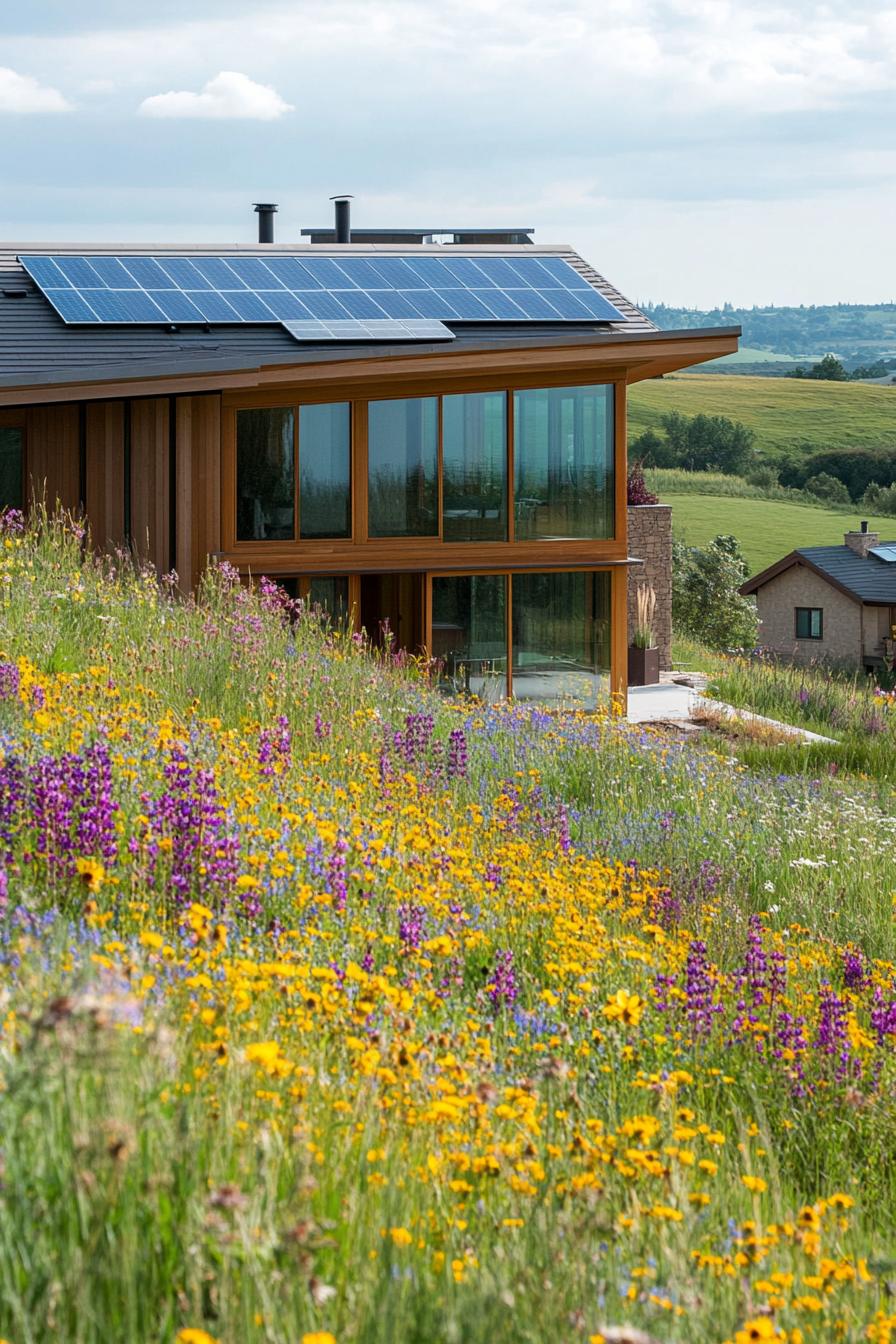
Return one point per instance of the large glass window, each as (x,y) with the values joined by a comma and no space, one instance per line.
(325,471)
(403,466)
(474,467)
(561,638)
(469,634)
(265,475)
(563,463)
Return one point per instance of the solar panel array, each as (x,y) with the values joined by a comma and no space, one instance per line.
(389,328)
(886,553)
(178,290)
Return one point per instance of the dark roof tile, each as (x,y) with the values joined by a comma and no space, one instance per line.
(34,341)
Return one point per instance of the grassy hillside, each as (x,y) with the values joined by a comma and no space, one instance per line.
(790,417)
(766,529)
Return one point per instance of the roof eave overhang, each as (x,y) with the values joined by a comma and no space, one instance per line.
(631,356)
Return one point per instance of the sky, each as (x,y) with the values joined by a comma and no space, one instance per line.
(695,151)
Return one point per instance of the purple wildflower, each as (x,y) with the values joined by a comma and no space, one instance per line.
(503,989)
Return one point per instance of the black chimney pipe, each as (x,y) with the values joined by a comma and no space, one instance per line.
(265,212)
(343,209)
(864,525)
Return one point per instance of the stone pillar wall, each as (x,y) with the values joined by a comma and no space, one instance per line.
(650,540)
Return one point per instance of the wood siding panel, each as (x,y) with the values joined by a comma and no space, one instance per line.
(105,473)
(150,485)
(198,485)
(52,455)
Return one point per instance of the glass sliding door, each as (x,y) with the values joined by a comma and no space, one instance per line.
(325,471)
(402,467)
(265,475)
(560,632)
(469,634)
(563,463)
(474,467)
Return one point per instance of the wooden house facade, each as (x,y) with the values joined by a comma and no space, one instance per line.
(464,497)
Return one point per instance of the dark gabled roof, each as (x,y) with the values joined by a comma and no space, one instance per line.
(863,578)
(36,346)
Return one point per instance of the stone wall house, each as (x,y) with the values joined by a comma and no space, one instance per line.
(650,541)
(834,603)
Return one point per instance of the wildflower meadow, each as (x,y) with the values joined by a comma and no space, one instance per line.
(331,1012)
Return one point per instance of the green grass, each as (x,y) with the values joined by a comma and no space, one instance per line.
(754,354)
(766,529)
(674,481)
(790,417)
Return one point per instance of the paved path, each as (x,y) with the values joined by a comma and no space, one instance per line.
(672,703)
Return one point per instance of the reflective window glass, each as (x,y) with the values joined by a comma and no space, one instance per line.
(563,463)
(561,638)
(469,634)
(325,471)
(265,475)
(403,464)
(474,467)
(12,445)
(330,595)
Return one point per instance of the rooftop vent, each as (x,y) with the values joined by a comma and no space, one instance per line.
(265,210)
(344,233)
(342,206)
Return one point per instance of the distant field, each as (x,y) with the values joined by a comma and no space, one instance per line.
(766,529)
(751,354)
(791,417)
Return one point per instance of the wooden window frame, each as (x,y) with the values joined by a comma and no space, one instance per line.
(362,553)
(508,575)
(16,419)
(363,474)
(796,623)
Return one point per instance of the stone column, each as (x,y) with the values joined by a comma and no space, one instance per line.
(650,540)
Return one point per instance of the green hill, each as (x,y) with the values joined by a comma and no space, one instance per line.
(766,529)
(791,417)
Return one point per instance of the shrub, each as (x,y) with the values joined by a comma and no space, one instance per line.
(827,487)
(637,491)
(764,478)
(708,443)
(880,499)
(706,603)
(855,467)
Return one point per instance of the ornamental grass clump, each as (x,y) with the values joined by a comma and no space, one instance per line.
(645,611)
(333,1012)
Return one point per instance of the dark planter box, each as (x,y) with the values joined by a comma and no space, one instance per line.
(643,666)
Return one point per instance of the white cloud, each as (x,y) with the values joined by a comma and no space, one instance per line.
(229,95)
(23,94)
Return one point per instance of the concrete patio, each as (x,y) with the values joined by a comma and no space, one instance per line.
(673,702)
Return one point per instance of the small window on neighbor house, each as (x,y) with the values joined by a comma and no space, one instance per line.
(808,622)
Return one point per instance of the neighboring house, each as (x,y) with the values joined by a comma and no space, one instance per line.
(428,435)
(835,602)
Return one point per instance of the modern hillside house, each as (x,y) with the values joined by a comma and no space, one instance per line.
(422,429)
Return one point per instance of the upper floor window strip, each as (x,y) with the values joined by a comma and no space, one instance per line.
(294,481)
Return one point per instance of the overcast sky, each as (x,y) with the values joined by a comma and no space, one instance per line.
(695,151)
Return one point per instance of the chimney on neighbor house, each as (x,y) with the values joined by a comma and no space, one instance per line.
(863,541)
(265,212)
(343,209)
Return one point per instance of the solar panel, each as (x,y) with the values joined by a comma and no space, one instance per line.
(371,290)
(376,330)
(887,553)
